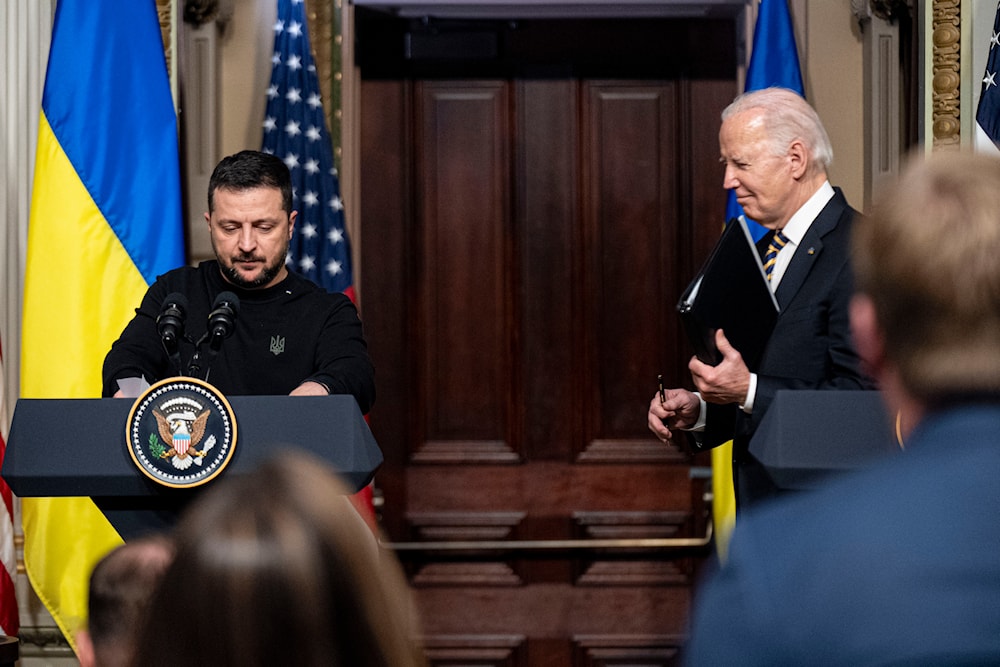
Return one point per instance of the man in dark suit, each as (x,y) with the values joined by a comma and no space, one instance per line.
(776,152)
(898,564)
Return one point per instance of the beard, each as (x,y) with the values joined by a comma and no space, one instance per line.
(268,273)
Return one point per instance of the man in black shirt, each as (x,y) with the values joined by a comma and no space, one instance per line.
(289,337)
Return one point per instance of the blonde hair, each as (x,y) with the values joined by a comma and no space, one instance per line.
(929,258)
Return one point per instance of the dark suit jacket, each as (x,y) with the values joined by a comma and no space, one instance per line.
(894,565)
(809,348)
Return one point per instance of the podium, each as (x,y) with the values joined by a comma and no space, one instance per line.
(78,447)
(806,436)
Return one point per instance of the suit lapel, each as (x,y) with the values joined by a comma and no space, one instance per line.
(809,250)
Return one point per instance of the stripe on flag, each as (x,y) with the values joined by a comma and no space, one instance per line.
(105,221)
(9,618)
(295,130)
(774,61)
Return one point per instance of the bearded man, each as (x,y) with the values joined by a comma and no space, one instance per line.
(290,336)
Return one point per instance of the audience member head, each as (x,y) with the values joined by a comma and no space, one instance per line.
(277,567)
(927,314)
(120,588)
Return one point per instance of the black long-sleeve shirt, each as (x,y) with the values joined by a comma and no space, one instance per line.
(284,335)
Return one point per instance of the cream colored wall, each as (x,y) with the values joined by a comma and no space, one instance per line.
(835,76)
(245,70)
(831,49)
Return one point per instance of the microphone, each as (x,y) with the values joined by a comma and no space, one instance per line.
(170,326)
(221,322)
(170,321)
(222,319)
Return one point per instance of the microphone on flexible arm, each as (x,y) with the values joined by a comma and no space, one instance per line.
(170,326)
(221,323)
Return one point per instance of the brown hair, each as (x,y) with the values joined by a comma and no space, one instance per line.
(248,170)
(276,567)
(119,590)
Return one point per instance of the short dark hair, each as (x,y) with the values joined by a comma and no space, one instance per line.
(121,585)
(251,169)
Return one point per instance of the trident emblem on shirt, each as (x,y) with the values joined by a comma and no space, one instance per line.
(277,345)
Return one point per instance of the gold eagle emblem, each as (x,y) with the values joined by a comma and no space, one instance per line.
(170,426)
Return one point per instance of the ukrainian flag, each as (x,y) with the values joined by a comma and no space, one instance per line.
(774,61)
(105,221)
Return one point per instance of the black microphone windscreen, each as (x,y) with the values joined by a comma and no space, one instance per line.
(177,299)
(229,298)
(170,321)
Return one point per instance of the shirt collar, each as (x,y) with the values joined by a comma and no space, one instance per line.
(799,223)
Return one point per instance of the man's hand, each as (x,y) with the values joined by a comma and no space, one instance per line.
(679,410)
(728,382)
(309,388)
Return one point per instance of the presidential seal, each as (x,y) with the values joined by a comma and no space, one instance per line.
(181,432)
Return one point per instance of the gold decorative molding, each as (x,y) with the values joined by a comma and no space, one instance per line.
(946,82)
(325,32)
(164,9)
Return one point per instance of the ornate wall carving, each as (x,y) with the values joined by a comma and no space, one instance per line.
(327,36)
(163,11)
(946,69)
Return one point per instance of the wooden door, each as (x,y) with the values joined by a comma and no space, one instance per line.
(524,240)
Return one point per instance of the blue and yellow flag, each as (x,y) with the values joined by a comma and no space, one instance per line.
(774,61)
(105,221)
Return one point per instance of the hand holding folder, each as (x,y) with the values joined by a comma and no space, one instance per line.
(730,293)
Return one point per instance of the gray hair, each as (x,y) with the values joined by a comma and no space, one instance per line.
(787,117)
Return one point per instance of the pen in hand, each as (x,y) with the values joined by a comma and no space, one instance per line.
(663,395)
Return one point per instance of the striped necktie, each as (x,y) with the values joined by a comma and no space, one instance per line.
(777,243)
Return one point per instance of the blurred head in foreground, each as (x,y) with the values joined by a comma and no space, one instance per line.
(120,587)
(277,567)
(926,318)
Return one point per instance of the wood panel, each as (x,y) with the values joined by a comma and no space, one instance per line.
(630,221)
(463,319)
(549,262)
(386,200)
(524,242)
(477,651)
(611,651)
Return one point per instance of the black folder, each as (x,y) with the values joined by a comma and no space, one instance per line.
(730,293)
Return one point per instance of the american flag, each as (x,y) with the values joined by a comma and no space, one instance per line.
(295,130)
(9,622)
(987,134)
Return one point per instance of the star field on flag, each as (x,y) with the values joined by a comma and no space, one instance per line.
(987,131)
(295,130)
